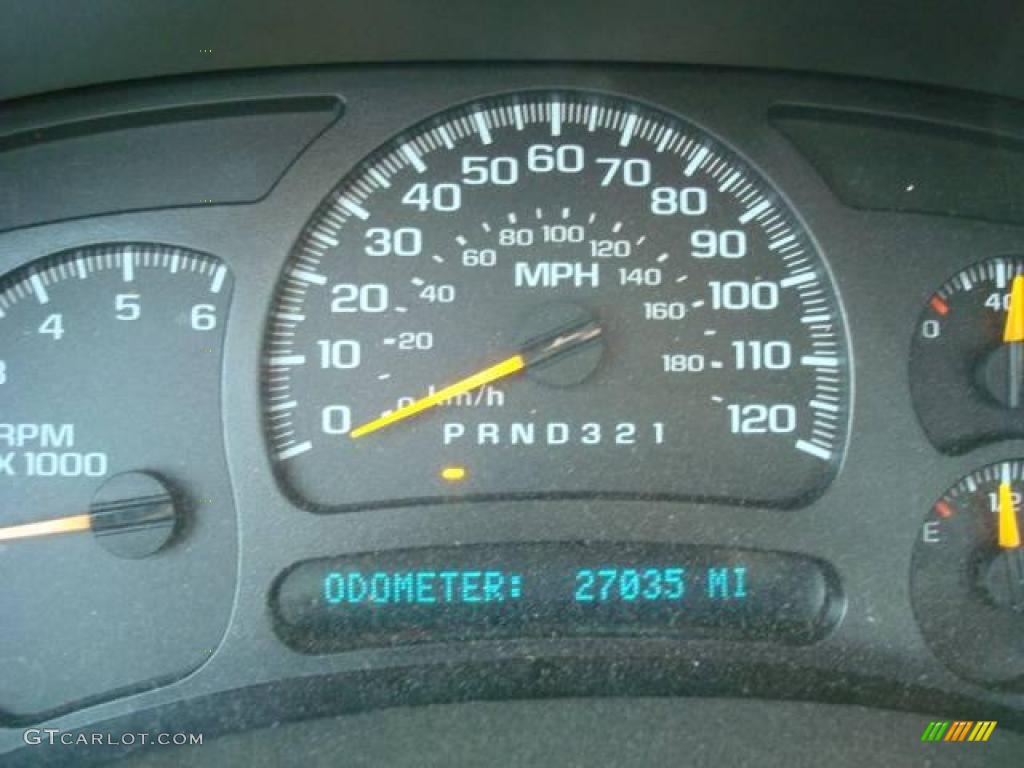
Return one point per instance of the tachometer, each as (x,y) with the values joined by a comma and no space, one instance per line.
(117,523)
(555,295)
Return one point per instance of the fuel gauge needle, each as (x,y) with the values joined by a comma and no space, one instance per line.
(1009,544)
(559,342)
(1009,530)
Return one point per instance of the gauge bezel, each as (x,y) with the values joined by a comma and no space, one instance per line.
(357,176)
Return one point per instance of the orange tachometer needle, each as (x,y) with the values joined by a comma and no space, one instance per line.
(134,503)
(1014,330)
(71,524)
(501,370)
(1009,531)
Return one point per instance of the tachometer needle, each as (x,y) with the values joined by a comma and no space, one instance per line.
(137,506)
(70,524)
(539,351)
(1009,531)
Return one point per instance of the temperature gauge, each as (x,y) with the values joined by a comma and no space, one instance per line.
(968,576)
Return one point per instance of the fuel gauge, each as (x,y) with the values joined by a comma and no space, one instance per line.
(968,576)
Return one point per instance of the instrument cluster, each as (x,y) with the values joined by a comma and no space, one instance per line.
(480,367)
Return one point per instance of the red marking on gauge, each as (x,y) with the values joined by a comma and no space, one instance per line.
(939,305)
(942,509)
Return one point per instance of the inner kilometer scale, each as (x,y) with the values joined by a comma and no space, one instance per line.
(555,294)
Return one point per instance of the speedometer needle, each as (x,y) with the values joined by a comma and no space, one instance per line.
(559,342)
(489,375)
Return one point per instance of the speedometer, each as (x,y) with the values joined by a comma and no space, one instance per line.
(555,295)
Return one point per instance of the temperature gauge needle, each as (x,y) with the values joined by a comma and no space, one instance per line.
(542,350)
(1009,531)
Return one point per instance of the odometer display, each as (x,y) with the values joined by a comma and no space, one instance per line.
(555,295)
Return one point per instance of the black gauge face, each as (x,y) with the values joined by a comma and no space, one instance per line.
(968,576)
(555,294)
(116,518)
(966,362)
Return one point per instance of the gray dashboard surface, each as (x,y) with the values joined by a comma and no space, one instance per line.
(978,45)
(613,732)
(233,152)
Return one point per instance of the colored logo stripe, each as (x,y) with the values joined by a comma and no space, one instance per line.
(982,731)
(959,730)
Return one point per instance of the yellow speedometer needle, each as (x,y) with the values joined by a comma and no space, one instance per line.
(572,336)
(1009,531)
(1013,333)
(494,373)
(70,524)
